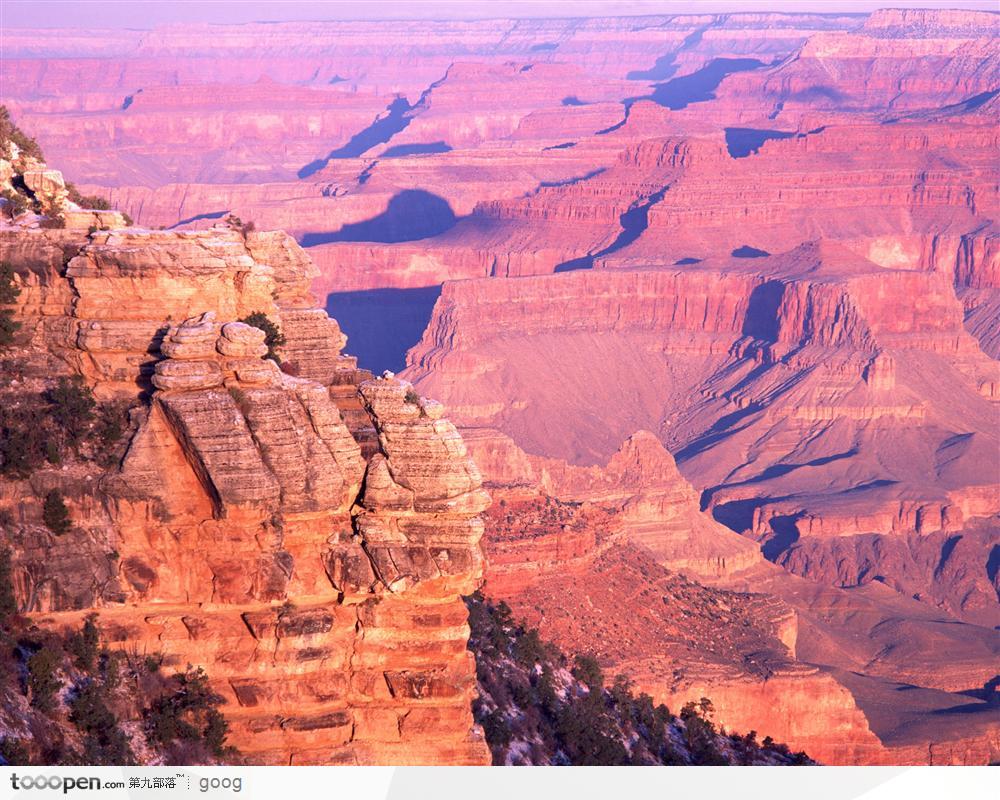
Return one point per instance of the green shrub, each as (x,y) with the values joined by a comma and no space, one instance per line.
(93,202)
(700,732)
(26,430)
(8,603)
(112,669)
(110,424)
(43,685)
(189,714)
(35,428)
(273,337)
(16,203)
(496,730)
(236,223)
(216,730)
(52,454)
(9,292)
(71,407)
(55,514)
(528,649)
(85,644)
(21,450)
(53,222)
(104,742)
(588,671)
(14,752)
(88,709)
(589,736)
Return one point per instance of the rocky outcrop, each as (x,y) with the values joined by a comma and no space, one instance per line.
(818,313)
(960,578)
(703,187)
(320,84)
(318,580)
(639,489)
(675,638)
(32,194)
(778,385)
(589,554)
(910,58)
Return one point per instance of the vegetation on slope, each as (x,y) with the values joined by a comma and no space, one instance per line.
(538,706)
(59,423)
(11,134)
(9,292)
(273,337)
(65,699)
(18,198)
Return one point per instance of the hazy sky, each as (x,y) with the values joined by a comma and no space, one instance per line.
(147,13)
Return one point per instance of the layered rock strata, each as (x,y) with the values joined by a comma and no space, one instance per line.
(318,581)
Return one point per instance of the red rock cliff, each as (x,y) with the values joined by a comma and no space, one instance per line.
(305,537)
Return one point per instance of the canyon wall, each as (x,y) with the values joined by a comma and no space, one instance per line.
(305,537)
(618,561)
(712,296)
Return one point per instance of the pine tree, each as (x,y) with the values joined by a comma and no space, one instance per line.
(55,514)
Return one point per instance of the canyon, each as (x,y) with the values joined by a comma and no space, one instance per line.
(307,536)
(709,305)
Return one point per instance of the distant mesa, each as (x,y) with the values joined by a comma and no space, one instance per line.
(962,107)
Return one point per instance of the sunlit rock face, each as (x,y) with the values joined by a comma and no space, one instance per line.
(305,537)
(712,301)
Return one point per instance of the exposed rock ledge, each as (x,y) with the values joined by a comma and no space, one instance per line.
(306,537)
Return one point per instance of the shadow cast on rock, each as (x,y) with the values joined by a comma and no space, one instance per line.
(411,214)
(382,324)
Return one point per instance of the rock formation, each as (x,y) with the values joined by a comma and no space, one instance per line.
(713,301)
(684,608)
(318,580)
(792,350)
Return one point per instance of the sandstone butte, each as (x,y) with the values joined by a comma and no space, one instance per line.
(711,276)
(307,538)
